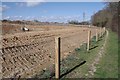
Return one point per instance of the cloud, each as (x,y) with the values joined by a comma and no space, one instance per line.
(62,0)
(3,7)
(58,18)
(13,17)
(46,18)
(29,3)
(21,4)
(7,17)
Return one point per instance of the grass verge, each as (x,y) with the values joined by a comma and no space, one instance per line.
(108,66)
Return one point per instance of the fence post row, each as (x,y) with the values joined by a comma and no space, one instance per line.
(89,36)
(57,57)
(57,51)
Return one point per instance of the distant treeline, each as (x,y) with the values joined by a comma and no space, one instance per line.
(78,23)
(108,16)
(34,22)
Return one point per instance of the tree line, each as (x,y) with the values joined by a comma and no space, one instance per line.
(79,23)
(107,17)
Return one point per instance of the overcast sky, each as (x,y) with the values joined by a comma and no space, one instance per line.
(50,11)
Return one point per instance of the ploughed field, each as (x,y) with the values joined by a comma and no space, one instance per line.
(28,53)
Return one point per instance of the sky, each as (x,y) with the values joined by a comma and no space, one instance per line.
(50,11)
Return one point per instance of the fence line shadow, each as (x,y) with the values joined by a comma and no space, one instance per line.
(73,69)
(93,47)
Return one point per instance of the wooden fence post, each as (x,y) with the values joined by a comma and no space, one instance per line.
(89,36)
(100,32)
(96,35)
(57,57)
(104,30)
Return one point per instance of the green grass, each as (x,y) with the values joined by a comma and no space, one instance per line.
(119,58)
(108,66)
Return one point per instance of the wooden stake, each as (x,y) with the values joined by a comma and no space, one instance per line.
(100,32)
(104,29)
(96,35)
(57,57)
(89,36)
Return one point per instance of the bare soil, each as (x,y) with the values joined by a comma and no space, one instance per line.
(28,53)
